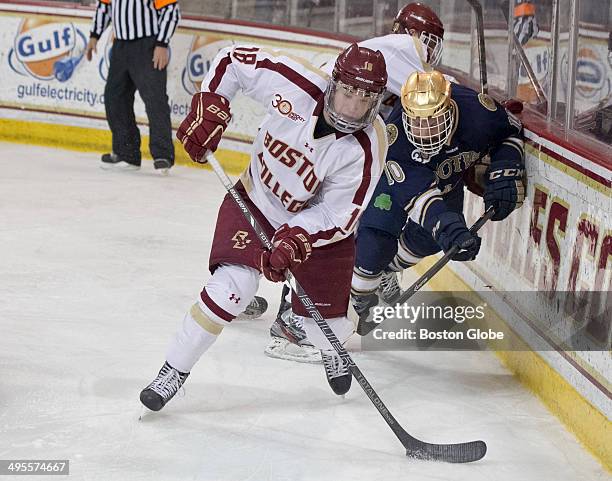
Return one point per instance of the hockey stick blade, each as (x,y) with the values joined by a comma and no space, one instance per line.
(415,448)
(449,453)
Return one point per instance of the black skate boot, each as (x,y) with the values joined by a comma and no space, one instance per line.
(362,306)
(163,388)
(162,165)
(338,375)
(114,162)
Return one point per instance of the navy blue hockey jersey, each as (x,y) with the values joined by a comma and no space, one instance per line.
(482,127)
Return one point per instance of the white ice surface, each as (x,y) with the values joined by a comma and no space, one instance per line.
(98,268)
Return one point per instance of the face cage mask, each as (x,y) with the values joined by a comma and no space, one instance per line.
(338,120)
(434,46)
(437,132)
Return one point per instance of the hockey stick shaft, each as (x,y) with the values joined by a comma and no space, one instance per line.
(457,453)
(304,298)
(433,270)
(482,57)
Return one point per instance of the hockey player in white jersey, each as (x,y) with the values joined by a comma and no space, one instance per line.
(315,162)
(415,45)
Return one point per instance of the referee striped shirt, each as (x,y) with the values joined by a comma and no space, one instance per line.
(134,19)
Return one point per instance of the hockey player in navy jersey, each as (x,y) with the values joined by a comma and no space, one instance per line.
(436,133)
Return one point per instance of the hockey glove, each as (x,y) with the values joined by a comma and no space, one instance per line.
(292,246)
(203,127)
(450,230)
(504,188)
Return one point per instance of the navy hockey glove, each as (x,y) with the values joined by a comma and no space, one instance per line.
(504,188)
(450,230)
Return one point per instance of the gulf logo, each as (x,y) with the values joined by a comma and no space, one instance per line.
(592,82)
(47,50)
(591,75)
(201,53)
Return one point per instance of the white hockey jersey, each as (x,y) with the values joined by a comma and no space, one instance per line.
(322,185)
(404,55)
(402,58)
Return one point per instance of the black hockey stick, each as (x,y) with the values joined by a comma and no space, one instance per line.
(482,57)
(433,270)
(415,448)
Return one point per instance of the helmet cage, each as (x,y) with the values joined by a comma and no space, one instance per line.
(429,134)
(434,46)
(339,120)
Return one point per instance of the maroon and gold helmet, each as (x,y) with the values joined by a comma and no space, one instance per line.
(422,20)
(355,89)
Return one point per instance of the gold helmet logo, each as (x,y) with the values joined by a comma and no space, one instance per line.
(428,115)
(425,94)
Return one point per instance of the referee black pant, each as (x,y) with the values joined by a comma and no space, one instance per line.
(131,69)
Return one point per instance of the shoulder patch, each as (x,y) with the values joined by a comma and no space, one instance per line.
(392,133)
(487,102)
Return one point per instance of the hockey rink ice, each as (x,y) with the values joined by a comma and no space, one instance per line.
(97,270)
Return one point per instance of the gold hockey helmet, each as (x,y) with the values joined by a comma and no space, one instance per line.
(428,115)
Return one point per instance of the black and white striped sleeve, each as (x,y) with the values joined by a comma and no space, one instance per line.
(101,18)
(168,15)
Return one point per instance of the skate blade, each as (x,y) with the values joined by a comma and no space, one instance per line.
(283,349)
(144,413)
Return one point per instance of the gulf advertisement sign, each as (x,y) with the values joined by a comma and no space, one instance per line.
(47,50)
(202,51)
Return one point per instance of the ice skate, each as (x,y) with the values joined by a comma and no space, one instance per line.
(362,306)
(256,308)
(289,341)
(163,388)
(389,289)
(336,371)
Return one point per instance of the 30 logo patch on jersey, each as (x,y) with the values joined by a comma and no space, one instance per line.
(392,134)
(286,109)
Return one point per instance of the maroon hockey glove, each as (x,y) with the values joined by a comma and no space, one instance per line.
(204,125)
(292,246)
